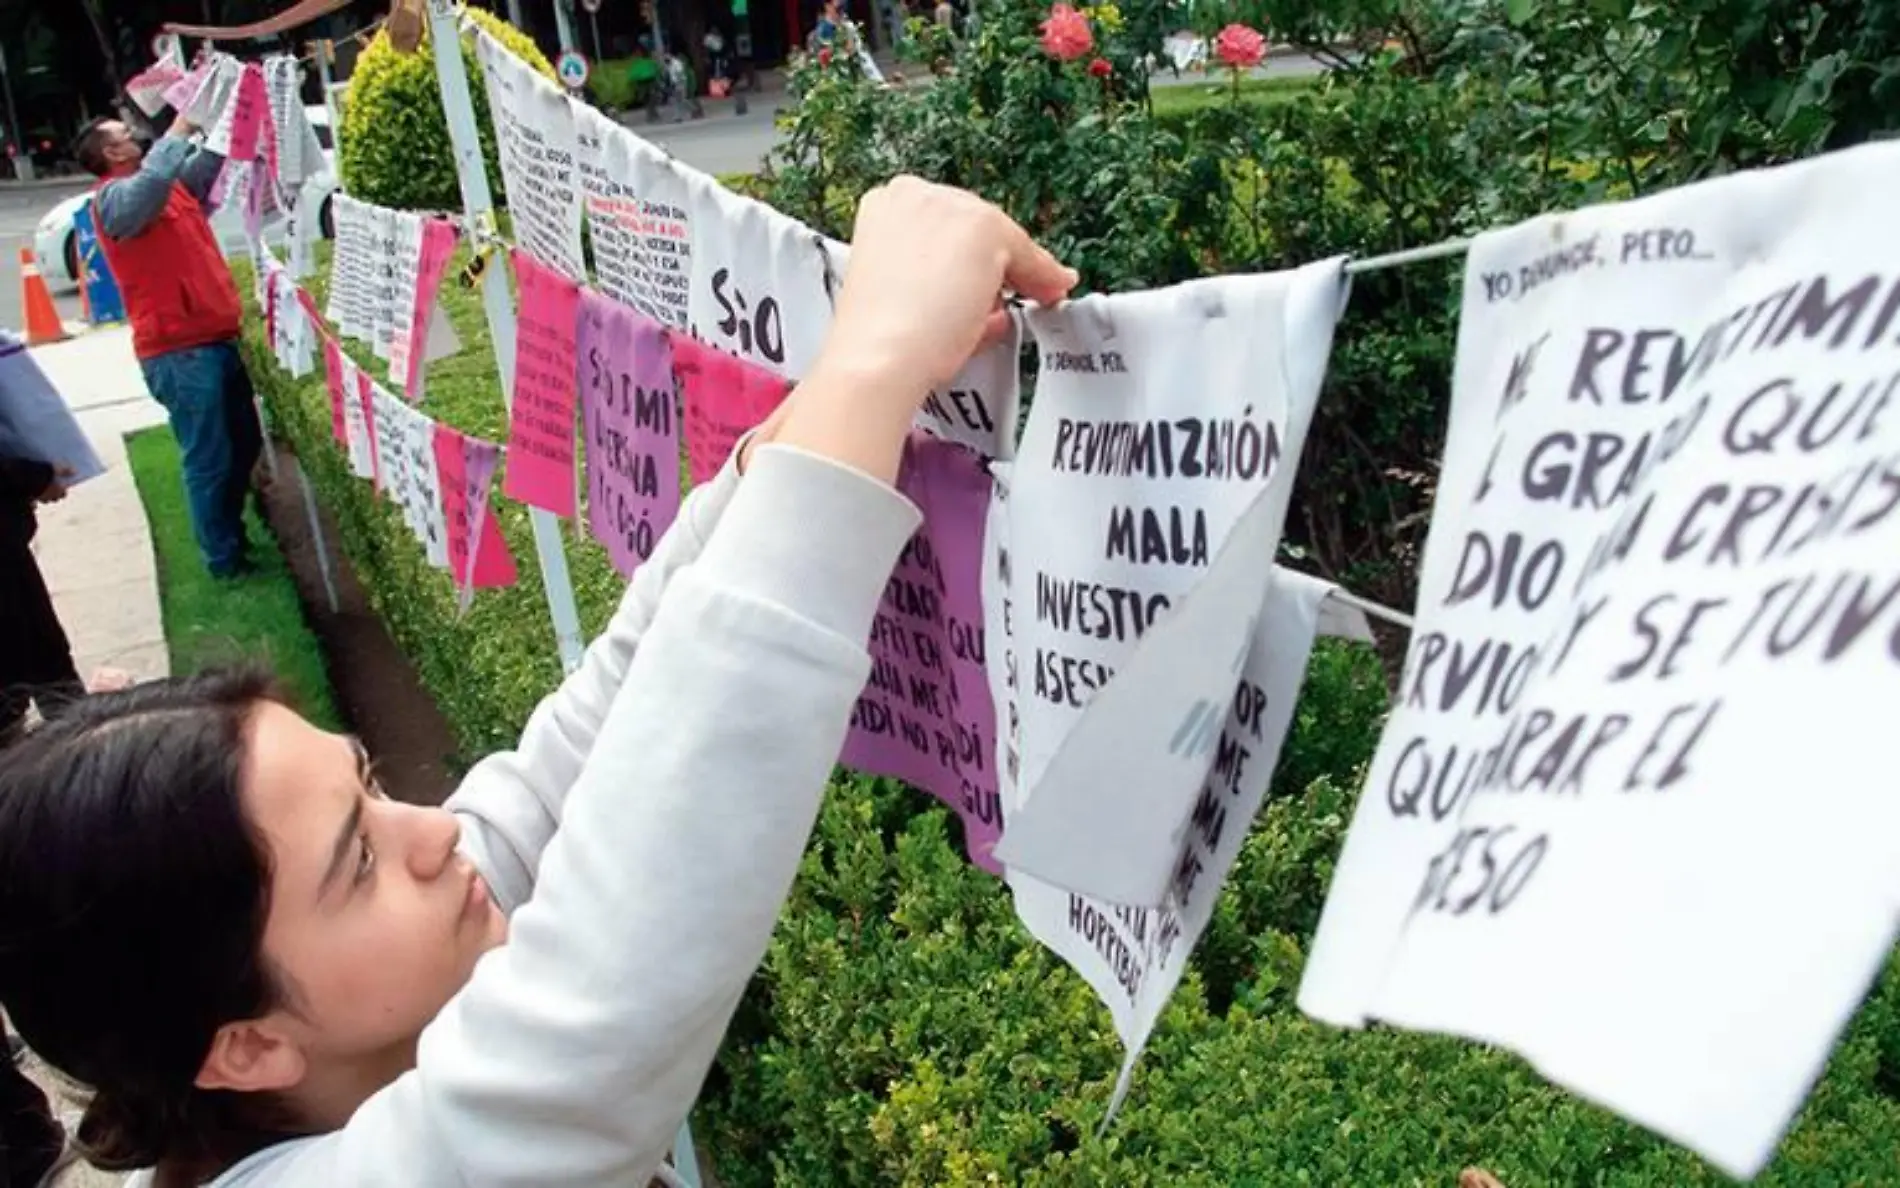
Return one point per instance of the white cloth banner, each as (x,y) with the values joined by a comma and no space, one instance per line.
(1161,420)
(210,105)
(388,427)
(356,426)
(425,487)
(147,88)
(352,297)
(1632,816)
(534,137)
(613,206)
(649,197)
(405,276)
(306,229)
(298,334)
(759,288)
(299,152)
(385,229)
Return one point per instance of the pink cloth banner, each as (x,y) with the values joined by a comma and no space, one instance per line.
(257,178)
(249,115)
(926,716)
(541,426)
(366,400)
(333,377)
(478,556)
(630,414)
(181,92)
(725,397)
(438,244)
(309,304)
(151,88)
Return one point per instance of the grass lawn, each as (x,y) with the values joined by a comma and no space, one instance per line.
(1181,98)
(258,618)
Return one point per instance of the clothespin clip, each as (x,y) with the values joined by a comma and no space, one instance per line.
(484,240)
(831,274)
(405,24)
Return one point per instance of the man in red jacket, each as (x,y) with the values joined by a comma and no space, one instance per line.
(150,212)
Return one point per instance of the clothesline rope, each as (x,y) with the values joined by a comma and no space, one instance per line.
(1385,614)
(1417,255)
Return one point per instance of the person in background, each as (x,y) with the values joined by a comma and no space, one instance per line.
(36,660)
(32,1142)
(830,25)
(151,213)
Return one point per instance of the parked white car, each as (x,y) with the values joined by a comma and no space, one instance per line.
(56,244)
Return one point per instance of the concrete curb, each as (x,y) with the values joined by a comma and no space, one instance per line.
(77,181)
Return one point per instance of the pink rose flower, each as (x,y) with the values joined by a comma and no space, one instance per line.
(1065,35)
(1240,48)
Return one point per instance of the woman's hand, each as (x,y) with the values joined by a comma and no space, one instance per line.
(929,267)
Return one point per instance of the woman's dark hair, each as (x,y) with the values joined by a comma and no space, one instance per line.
(133,896)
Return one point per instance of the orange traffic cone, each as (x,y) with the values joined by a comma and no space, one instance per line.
(42,319)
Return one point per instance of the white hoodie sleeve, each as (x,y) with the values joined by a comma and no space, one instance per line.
(510,803)
(577,1047)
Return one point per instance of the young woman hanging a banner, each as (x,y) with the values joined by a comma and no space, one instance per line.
(273,975)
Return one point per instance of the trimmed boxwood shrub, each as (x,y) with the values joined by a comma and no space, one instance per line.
(395,140)
(905,1030)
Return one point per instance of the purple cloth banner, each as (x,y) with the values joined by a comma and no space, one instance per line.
(630,414)
(925,716)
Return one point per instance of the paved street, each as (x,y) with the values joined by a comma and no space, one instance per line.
(20,211)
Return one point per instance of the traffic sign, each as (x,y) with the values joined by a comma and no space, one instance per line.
(572,69)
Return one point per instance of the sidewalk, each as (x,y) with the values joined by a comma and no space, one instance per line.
(96,553)
(94,547)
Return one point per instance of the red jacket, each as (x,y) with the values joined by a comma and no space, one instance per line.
(178,290)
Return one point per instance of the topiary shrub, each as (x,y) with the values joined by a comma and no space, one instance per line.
(395,142)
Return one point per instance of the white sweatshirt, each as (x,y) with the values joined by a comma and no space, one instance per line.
(645,834)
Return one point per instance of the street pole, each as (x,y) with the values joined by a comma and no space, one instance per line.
(22,159)
(564,22)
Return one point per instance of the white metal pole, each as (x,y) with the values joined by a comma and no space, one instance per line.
(564,24)
(316,537)
(446,40)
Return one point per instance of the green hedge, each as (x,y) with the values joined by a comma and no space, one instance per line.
(904,1029)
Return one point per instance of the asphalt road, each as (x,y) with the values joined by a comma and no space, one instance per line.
(20,211)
